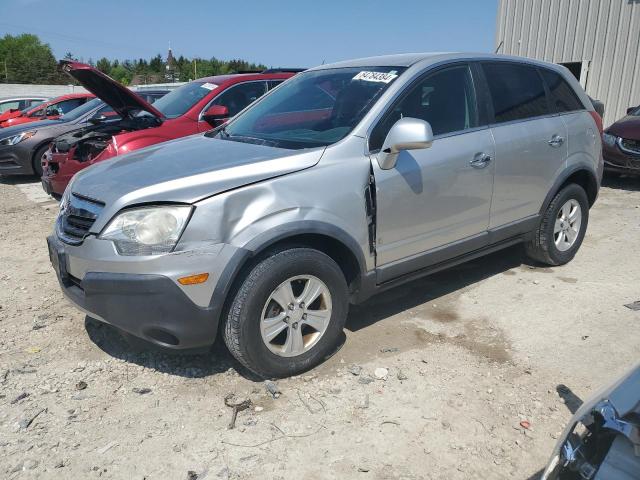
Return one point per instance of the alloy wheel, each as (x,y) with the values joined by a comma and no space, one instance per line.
(567,226)
(296,315)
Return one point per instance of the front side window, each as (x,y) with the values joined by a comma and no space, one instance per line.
(445,99)
(563,98)
(313,109)
(178,101)
(517,91)
(68,105)
(83,109)
(239,96)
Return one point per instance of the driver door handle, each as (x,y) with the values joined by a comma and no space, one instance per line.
(480,160)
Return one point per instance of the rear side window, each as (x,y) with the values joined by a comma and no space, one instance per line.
(517,91)
(563,98)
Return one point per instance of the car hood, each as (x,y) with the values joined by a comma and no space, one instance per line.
(626,127)
(185,171)
(120,98)
(24,127)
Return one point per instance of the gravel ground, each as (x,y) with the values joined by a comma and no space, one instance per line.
(433,381)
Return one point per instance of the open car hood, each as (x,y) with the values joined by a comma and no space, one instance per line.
(120,98)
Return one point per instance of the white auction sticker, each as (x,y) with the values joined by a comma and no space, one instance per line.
(382,77)
(209,86)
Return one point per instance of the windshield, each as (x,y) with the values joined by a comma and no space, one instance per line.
(78,112)
(312,109)
(178,101)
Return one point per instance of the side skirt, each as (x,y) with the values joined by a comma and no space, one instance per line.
(427,263)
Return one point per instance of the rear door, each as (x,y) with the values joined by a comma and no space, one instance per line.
(530,139)
(440,195)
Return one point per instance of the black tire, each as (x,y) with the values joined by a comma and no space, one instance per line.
(241,330)
(542,247)
(37,160)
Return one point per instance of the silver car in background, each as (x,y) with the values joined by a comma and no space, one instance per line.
(344,181)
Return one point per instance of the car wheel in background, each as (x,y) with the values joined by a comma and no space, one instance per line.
(288,313)
(37,160)
(562,228)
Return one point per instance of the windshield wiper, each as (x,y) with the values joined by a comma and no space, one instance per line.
(250,139)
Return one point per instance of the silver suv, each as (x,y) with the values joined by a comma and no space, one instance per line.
(346,180)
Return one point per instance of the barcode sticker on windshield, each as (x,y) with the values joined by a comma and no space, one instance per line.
(382,77)
(209,86)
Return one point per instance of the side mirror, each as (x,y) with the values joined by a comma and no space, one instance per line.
(406,134)
(215,115)
(630,110)
(97,119)
(52,112)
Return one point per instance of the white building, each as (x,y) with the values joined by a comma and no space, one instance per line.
(598,40)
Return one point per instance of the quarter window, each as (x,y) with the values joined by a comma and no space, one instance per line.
(445,99)
(517,91)
(563,98)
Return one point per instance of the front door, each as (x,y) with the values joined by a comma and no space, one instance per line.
(437,199)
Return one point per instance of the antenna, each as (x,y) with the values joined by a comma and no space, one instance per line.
(500,45)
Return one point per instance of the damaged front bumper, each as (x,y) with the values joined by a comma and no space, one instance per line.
(141,295)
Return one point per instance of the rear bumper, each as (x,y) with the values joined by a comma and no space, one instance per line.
(147,304)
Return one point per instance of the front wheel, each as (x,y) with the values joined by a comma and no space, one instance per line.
(38,158)
(562,229)
(288,314)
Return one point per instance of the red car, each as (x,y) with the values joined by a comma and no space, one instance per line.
(621,144)
(50,110)
(197,106)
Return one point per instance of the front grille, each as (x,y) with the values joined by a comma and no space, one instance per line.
(630,146)
(76,218)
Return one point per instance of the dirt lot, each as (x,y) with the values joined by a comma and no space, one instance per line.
(469,354)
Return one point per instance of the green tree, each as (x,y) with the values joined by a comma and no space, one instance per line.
(104,65)
(24,59)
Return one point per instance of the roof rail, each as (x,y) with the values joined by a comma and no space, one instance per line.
(248,71)
(284,70)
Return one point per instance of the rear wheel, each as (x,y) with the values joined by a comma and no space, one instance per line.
(37,160)
(288,314)
(562,229)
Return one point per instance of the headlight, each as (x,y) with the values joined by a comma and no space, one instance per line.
(147,230)
(609,139)
(14,139)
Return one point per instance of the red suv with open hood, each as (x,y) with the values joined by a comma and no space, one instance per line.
(195,107)
(45,111)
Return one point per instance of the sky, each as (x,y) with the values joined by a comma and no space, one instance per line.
(285,33)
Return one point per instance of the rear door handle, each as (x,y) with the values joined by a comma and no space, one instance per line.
(556,141)
(481,160)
